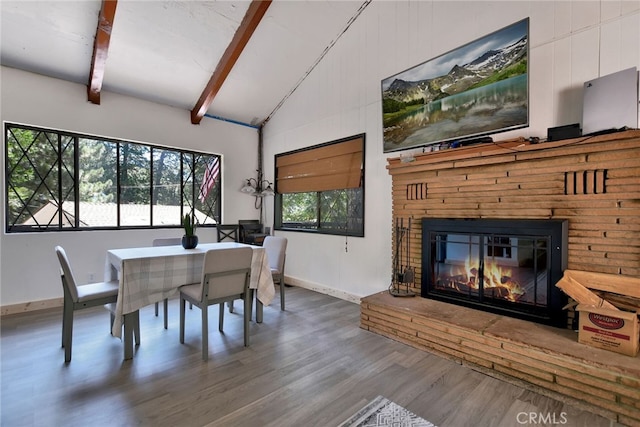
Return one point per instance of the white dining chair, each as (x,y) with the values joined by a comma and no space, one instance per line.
(225,277)
(276,248)
(166,241)
(78,297)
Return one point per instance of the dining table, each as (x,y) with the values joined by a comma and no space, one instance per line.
(147,275)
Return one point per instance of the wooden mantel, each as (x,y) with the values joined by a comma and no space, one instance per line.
(593,182)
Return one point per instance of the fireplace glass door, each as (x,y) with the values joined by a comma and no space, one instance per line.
(500,268)
(495,268)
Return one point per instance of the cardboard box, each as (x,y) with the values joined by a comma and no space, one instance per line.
(609,329)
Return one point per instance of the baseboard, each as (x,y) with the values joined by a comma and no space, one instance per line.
(316,287)
(25,307)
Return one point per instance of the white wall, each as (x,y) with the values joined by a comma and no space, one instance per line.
(29,268)
(571,42)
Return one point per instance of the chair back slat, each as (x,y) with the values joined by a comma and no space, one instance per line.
(227,232)
(68,280)
(167,241)
(226,272)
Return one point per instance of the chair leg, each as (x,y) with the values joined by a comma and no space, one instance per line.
(156,309)
(247,317)
(64,322)
(250,296)
(182,306)
(205,332)
(166,313)
(282,294)
(221,318)
(230,304)
(67,332)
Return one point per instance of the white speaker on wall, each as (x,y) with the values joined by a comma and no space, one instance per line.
(611,102)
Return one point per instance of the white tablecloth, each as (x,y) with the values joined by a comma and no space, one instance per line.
(151,274)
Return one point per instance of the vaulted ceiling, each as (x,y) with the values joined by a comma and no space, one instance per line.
(234,60)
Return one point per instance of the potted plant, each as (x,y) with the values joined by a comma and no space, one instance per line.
(189,240)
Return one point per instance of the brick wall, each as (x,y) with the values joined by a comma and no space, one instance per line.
(593,182)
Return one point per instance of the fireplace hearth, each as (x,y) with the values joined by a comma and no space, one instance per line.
(503,266)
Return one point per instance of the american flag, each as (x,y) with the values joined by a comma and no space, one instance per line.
(209,178)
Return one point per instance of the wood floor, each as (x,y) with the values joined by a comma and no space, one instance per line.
(308,366)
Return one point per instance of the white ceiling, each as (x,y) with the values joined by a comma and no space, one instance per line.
(166,51)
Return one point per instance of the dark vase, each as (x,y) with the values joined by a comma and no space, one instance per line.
(189,242)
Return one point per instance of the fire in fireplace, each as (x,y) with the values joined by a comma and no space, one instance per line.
(504,266)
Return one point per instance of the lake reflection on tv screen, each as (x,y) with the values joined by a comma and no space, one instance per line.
(500,105)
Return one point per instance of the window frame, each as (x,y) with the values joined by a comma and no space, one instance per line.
(278,202)
(214,208)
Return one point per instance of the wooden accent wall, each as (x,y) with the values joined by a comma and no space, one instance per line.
(593,182)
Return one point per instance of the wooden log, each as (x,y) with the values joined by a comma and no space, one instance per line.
(581,294)
(623,302)
(629,286)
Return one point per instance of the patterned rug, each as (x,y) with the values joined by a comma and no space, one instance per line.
(383,412)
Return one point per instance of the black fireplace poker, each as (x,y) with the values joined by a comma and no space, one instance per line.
(403,273)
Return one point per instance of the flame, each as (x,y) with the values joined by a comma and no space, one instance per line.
(497,279)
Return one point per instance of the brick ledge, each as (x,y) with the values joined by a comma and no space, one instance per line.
(536,356)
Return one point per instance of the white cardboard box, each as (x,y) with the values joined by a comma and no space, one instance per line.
(609,329)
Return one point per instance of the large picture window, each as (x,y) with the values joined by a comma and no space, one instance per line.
(321,188)
(64,181)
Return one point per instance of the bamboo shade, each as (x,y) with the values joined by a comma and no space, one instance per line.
(328,167)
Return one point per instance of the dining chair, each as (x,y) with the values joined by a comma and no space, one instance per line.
(78,297)
(225,277)
(166,241)
(250,232)
(276,248)
(227,232)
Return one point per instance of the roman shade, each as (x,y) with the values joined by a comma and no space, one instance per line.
(334,166)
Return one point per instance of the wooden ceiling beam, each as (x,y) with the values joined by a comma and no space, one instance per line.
(252,18)
(101,49)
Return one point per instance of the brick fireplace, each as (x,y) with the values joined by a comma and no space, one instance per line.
(592,184)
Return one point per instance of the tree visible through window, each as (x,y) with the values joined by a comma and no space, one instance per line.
(321,188)
(60,180)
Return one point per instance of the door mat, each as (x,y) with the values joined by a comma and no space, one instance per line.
(383,412)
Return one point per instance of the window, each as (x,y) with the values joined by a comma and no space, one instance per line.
(321,188)
(64,181)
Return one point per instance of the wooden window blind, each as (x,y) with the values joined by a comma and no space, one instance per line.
(333,166)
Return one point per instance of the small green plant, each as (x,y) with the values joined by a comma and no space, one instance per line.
(189,224)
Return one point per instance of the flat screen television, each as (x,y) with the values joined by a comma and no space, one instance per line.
(475,90)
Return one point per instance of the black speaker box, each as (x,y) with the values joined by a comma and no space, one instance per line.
(564,132)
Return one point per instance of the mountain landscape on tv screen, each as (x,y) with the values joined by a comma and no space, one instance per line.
(492,66)
(487,93)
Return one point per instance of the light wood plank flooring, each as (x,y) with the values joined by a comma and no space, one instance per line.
(308,366)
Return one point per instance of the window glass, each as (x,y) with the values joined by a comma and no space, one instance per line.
(135,200)
(321,188)
(300,210)
(166,187)
(98,183)
(61,180)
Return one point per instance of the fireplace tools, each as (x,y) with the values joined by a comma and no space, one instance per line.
(403,274)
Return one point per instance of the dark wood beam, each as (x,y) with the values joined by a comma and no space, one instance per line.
(251,19)
(101,49)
